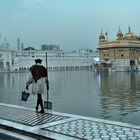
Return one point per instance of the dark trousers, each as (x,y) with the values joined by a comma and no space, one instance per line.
(40,101)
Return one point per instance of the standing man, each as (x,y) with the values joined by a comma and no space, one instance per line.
(38,79)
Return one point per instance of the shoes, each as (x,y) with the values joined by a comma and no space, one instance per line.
(42,111)
(36,108)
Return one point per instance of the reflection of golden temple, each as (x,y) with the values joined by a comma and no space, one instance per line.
(123,53)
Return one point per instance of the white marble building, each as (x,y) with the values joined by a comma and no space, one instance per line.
(21,60)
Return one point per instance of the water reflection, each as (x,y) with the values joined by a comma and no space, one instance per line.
(11,85)
(113,96)
(120,94)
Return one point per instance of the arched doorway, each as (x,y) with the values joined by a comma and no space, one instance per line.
(8,66)
(1,65)
(132,63)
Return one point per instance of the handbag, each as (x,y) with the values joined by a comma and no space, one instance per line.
(25,95)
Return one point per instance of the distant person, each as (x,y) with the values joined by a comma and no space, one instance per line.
(38,79)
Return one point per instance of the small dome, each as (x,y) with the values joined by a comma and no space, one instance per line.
(5,44)
(119,34)
(29,48)
(102,36)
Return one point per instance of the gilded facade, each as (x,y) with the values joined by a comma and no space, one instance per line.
(122,53)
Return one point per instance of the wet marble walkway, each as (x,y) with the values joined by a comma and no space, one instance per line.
(61,126)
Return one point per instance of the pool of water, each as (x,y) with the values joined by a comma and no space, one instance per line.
(112,96)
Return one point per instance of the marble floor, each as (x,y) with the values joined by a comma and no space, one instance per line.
(21,122)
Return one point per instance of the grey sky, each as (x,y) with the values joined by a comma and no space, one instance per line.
(71,24)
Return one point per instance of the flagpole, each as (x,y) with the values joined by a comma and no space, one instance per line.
(106,36)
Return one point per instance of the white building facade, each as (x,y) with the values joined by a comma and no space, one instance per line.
(22,60)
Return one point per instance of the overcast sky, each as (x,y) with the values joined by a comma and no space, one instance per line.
(71,24)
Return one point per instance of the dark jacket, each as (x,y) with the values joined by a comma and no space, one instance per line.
(38,71)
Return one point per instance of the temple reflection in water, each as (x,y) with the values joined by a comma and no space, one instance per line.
(120,92)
